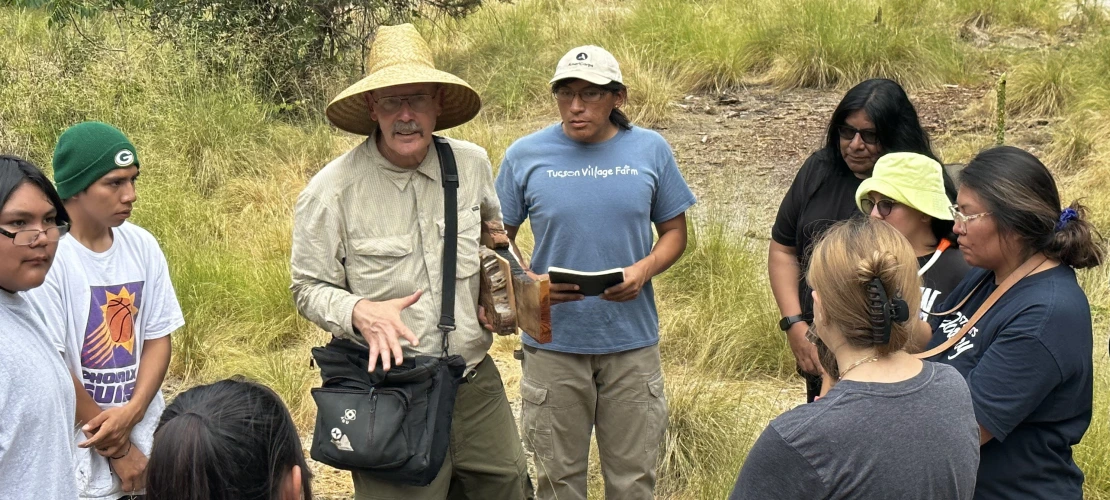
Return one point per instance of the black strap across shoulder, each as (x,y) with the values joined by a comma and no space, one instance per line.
(449,173)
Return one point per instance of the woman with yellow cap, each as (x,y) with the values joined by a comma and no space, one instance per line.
(912,192)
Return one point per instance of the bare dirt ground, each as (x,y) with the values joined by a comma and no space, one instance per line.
(739,151)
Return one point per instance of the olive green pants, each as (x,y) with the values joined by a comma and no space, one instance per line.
(619,396)
(485,459)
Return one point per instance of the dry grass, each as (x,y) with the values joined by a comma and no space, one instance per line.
(222,168)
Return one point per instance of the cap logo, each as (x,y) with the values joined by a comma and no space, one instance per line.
(125,158)
(581,56)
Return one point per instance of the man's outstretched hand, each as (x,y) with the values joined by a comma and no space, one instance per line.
(380,325)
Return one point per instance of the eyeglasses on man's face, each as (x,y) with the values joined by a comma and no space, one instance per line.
(885,206)
(418,103)
(848,132)
(588,94)
(28,237)
(959,216)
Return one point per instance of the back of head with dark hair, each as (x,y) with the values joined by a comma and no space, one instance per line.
(15,172)
(894,116)
(1021,195)
(231,440)
(617,117)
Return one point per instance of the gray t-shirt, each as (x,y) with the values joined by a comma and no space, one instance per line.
(36,408)
(915,439)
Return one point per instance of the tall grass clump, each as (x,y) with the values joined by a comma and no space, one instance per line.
(1091,454)
(710,42)
(716,309)
(1043,85)
(713,423)
(509,52)
(838,44)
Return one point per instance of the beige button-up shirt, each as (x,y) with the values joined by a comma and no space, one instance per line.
(364,228)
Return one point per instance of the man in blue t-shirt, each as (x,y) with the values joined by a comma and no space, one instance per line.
(593,186)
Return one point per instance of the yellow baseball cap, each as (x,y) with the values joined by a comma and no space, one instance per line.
(911,179)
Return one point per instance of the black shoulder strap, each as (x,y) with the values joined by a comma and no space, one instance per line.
(450,174)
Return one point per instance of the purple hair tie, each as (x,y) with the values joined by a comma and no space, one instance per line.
(1069,214)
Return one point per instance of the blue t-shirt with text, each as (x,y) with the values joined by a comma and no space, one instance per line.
(591,208)
(1028,363)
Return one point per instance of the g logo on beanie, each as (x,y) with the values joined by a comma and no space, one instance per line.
(125,158)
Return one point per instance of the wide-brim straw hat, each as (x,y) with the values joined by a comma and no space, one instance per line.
(911,179)
(400,56)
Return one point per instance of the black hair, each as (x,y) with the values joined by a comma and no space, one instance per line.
(617,117)
(890,109)
(942,228)
(233,439)
(1021,195)
(15,172)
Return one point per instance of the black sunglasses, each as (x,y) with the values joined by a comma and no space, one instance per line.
(885,206)
(848,132)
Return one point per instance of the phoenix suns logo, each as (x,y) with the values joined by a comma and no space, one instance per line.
(109,356)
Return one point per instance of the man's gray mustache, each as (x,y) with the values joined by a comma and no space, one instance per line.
(407,128)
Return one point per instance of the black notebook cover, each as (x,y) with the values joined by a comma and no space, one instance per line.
(588,283)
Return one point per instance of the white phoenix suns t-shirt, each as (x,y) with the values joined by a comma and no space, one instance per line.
(101,308)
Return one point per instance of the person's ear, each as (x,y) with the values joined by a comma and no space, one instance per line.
(370,106)
(622,96)
(291,486)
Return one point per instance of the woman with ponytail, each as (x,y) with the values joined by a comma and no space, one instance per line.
(892,426)
(231,440)
(1027,358)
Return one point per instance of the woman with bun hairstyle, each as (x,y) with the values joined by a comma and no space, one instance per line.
(1027,359)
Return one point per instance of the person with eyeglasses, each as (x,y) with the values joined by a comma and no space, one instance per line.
(874,118)
(1028,358)
(111,306)
(367,259)
(36,396)
(593,186)
(913,193)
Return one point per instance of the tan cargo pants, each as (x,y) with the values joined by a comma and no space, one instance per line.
(566,396)
(485,459)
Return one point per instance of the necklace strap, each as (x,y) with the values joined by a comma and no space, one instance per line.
(870,359)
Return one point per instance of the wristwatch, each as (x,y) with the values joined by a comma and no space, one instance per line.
(787,322)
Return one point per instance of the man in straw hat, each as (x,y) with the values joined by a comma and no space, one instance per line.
(593,186)
(368,246)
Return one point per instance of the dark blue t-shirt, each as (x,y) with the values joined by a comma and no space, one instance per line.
(592,207)
(1028,365)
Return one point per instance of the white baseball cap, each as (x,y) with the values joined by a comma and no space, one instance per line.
(589,62)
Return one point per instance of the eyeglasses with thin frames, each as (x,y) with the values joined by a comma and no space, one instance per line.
(588,94)
(418,103)
(868,135)
(28,237)
(885,206)
(959,216)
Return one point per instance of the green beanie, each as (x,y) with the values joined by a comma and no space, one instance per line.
(88,151)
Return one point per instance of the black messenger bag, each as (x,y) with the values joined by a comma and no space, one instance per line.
(393,425)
